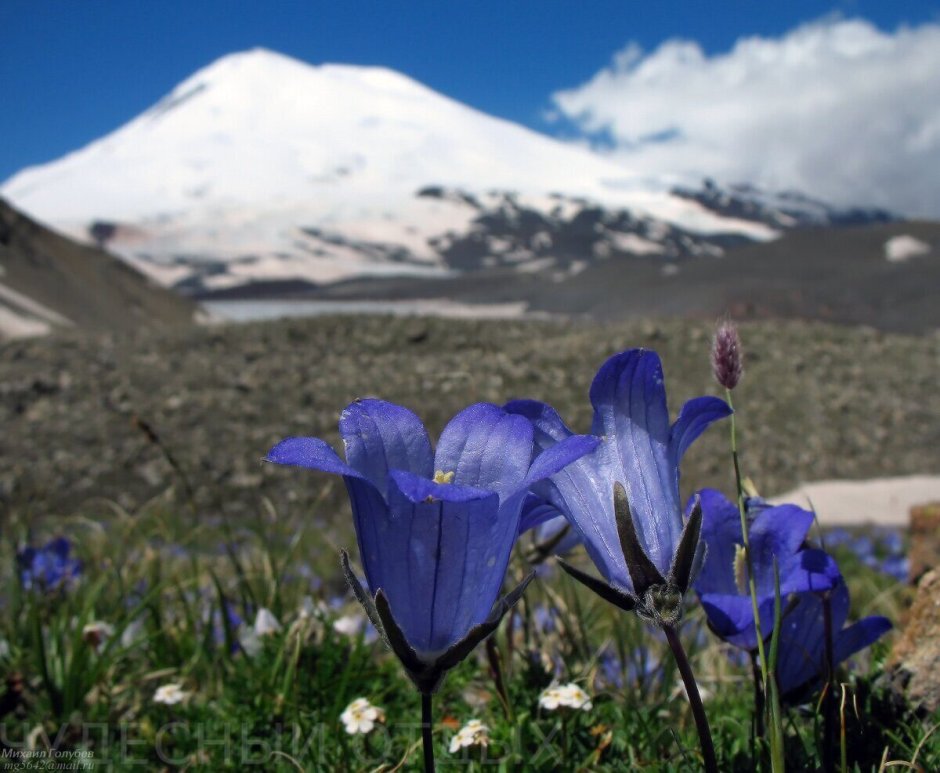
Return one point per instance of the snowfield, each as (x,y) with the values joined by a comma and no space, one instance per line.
(263,167)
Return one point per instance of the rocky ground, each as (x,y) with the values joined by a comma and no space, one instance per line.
(87,420)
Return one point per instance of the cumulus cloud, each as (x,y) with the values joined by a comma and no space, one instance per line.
(836,108)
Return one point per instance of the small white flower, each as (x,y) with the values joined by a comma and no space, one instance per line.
(360,716)
(170,694)
(704,693)
(307,609)
(474,733)
(133,633)
(266,624)
(567,695)
(349,625)
(249,641)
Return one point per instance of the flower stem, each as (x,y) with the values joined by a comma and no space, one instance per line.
(695,698)
(752,585)
(758,704)
(426,732)
(829,697)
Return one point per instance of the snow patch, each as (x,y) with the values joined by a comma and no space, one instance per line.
(899,249)
(251,154)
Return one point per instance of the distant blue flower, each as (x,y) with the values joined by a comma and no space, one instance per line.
(802,655)
(864,547)
(610,674)
(891,541)
(435,528)
(49,567)
(837,537)
(898,567)
(639,449)
(226,628)
(773,532)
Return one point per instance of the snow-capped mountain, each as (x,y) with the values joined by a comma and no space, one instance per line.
(261,168)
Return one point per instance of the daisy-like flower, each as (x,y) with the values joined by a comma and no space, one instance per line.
(360,716)
(349,625)
(474,733)
(250,637)
(266,624)
(170,694)
(566,695)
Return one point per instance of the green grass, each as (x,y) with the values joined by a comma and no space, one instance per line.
(171,571)
(226,539)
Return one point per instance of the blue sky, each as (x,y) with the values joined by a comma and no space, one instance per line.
(73,70)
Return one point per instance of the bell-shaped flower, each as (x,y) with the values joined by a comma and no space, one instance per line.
(805,632)
(435,527)
(50,567)
(776,535)
(645,551)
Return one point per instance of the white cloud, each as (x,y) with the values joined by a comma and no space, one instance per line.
(835,108)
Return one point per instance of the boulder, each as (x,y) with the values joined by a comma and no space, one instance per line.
(925,540)
(914,664)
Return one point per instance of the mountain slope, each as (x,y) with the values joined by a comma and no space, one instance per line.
(48,281)
(845,275)
(261,167)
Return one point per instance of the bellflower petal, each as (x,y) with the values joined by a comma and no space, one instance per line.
(417,489)
(549,428)
(379,533)
(695,417)
(535,512)
(776,534)
(775,531)
(582,491)
(312,453)
(629,399)
(860,635)
(559,456)
(456,552)
(487,447)
(731,617)
(721,532)
(380,436)
(801,662)
(807,570)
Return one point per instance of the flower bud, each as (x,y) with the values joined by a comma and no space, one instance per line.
(727,356)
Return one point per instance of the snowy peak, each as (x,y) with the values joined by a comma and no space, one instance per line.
(260,168)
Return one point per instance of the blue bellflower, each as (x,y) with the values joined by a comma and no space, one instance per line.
(435,528)
(802,659)
(50,567)
(773,533)
(639,450)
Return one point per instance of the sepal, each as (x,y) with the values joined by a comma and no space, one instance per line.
(642,570)
(395,637)
(362,596)
(609,593)
(459,650)
(684,564)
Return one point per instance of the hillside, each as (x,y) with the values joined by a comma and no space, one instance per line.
(824,273)
(48,281)
(87,417)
